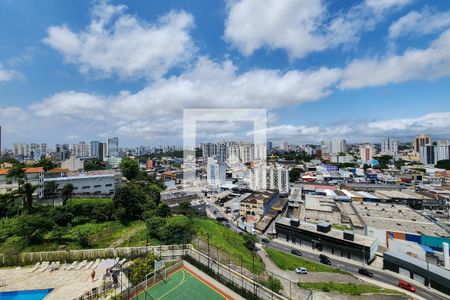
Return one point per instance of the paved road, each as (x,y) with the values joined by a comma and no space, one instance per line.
(381,276)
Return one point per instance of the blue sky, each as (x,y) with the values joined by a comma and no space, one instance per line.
(87,70)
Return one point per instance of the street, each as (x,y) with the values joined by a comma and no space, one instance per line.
(353,268)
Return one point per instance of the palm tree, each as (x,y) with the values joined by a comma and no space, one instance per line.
(67,192)
(17,173)
(51,188)
(28,189)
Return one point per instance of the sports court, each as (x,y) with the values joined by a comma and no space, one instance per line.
(183,284)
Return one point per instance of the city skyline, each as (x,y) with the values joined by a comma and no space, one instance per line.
(363,71)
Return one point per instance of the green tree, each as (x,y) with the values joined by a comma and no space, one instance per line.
(185,208)
(128,201)
(154,224)
(67,192)
(177,230)
(130,168)
(46,164)
(28,189)
(163,210)
(294,174)
(32,228)
(17,173)
(141,267)
(273,284)
(94,164)
(51,189)
(250,241)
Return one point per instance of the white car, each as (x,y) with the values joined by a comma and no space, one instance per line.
(301,271)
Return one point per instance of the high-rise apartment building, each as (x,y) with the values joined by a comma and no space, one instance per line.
(428,154)
(217,150)
(421,140)
(366,152)
(113,147)
(95,149)
(215,172)
(269,177)
(102,151)
(389,147)
(21,150)
(337,146)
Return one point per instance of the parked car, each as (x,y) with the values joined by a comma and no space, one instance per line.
(325,261)
(323,256)
(406,286)
(301,270)
(365,272)
(265,240)
(296,252)
(228,225)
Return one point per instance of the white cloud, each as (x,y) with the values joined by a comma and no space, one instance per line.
(71,104)
(211,84)
(428,64)
(432,123)
(420,23)
(286,24)
(8,75)
(300,26)
(207,84)
(380,5)
(116,43)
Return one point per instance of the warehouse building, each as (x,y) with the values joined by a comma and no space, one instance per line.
(418,270)
(322,237)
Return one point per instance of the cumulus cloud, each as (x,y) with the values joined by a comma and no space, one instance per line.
(421,22)
(121,44)
(299,26)
(71,104)
(428,64)
(211,84)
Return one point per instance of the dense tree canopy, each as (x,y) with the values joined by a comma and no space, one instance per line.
(130,168)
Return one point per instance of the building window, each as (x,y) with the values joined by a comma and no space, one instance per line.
(97,186)
(108,185)
(86,187)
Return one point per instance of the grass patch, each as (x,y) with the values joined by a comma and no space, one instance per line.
(347,288)
(100,235)
(341,227)
(288,261)
(227,241)
(86,200)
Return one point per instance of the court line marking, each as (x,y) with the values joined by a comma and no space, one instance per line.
(175,287)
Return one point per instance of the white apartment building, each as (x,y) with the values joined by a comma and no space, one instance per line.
(428,154)
(269,177)
(389,147)
(215,172)
(218,150)
(366,152)
(79,150)
(21,150)
(34,176)
(337,146)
